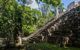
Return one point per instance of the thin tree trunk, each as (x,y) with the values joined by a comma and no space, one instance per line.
(57,12)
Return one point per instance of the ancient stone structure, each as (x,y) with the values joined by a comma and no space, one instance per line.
(62,26)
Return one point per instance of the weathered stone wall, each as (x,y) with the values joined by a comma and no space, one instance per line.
(68,21)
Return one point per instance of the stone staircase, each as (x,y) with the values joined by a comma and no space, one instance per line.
(69,20)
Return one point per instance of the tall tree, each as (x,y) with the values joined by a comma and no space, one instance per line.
(10,19)
(55,3)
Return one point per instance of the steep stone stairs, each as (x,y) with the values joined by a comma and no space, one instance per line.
(69,20)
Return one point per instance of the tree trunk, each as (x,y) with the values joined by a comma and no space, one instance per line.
(57,12)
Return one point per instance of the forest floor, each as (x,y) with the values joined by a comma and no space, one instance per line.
(41,46)
(46,46)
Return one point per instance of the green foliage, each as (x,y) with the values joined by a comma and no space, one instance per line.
(33,20)
(6,17)
(29,20)
(15,18)
(53,2)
